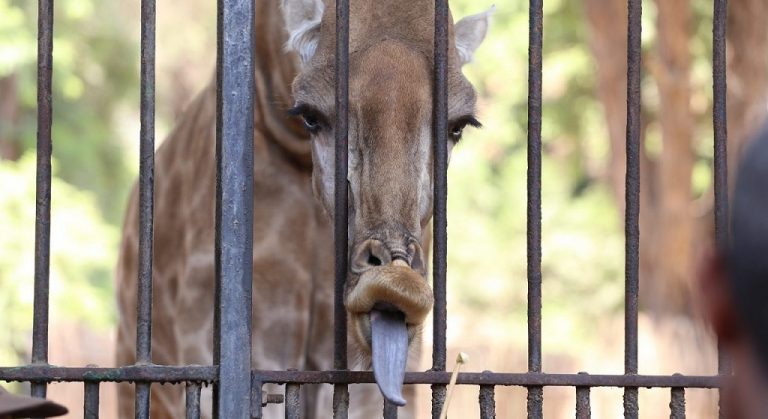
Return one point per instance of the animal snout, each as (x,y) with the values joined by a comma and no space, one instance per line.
(373,253)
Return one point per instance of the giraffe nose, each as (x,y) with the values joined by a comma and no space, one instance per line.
(373,253)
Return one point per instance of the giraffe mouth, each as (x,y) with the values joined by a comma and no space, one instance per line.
(388,306)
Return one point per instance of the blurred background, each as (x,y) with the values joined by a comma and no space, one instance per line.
(95,134)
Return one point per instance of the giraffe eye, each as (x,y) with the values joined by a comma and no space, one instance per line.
(457,127)
(311,123)
(313,120)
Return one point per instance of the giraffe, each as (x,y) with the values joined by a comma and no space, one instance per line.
(390,189)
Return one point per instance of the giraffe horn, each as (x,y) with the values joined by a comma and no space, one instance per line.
(389,344)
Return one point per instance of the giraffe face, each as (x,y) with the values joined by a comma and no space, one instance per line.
(390,178)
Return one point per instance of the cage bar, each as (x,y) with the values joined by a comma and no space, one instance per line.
(91,400)
(487,400)
(632,206)
(293,408)
(43,188)
(341,210)
(390,410)
(583,403)
(440,222)
(720,124)
(234,208)
(146,202)
(535,44)
(192,400)
(677,403)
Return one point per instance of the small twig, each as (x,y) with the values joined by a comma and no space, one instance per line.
(462,358)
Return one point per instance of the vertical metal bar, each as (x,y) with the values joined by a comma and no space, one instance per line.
(390,410)
(43,188)
(258,399)
(677,403)
(632,211)
(293,409)
(583,405)
(234,208)
(91,401)
(487,402)
(341,211)
(440,166)
(535,44)
(193,401)
(146,202)
(720,123)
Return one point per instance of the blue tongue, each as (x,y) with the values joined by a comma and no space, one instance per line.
(389,344)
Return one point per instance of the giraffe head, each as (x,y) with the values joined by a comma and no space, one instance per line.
(390,177)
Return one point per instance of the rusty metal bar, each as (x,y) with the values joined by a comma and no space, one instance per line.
(390,410)
(440,223)
(583,405)
(146,202)
(720,124)
(293,408)
(632,196)
(192,400)
(535,44)
(145,373)
(91,400)
(487,399)
(677,403)
(494,379)
(234,208)
(209,374)
(43,188)
(341,210)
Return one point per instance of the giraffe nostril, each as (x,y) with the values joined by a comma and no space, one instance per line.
(373,260)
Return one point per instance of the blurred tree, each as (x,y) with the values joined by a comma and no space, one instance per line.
(671,228)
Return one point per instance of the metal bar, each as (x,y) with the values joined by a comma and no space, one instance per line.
(440,223)
(535,43)
(340,400)
(632,196)
(487,399)
(193,400)
(293,408)
(147,373)
(43,188)
(209,375)
(720,124)
(677,403)
(259,399)
(234,208)
(146,202)
(341,210)
(482,378)
(583,405)
(91,400)
(390,410)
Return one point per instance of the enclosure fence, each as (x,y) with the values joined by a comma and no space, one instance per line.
(237,388)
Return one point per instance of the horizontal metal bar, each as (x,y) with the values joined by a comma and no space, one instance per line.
(209,374)
(142,373)
(485,378)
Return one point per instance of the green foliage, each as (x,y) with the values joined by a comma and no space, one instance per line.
(82,256)
(95,76)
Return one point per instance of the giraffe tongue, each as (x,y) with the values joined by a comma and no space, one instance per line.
(389,345)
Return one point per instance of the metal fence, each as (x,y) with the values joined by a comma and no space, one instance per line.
(237,389)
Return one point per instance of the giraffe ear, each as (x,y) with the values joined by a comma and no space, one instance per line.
(302,20)
(470,32)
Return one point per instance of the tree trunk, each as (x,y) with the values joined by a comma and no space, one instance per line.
(9,118)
